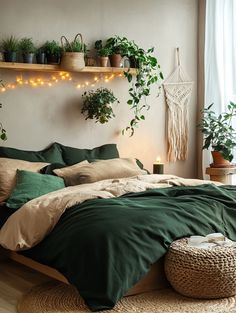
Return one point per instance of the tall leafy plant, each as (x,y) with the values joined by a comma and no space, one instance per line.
(218,131)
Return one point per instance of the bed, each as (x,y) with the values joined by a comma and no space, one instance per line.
(105,236)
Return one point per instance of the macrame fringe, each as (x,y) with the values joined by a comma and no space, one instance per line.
(177,92)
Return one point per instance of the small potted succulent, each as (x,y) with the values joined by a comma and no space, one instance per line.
(97,104)
(10,47)
(53,52)
(103,53)
(41,55)
(27,49)
(219,134)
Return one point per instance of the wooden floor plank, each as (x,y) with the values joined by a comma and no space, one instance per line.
(16,280)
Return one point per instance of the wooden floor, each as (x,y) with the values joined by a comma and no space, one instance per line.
(15,280)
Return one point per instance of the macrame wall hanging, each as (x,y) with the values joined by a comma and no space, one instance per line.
(178,89)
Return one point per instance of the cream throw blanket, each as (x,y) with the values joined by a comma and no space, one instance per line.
(37,218)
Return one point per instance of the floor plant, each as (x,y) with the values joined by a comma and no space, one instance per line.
(218,132)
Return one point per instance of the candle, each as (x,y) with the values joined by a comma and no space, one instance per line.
(158,167)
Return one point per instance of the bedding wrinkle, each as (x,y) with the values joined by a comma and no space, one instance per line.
(36,219)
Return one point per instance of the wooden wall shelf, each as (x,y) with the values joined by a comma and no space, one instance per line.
(57,68)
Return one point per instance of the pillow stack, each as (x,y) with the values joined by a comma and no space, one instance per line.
(8,169)
(20,180)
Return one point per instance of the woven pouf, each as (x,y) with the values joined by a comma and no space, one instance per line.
(201,273)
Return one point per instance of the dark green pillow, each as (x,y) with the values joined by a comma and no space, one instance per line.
(48,169)
(31,185)
(74,155)
(52,154)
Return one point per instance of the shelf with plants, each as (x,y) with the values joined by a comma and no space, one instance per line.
(57,68)
(140,67)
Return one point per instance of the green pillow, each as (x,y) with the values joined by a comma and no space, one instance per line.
(74,155)
(52,154)
(48,169)
(31,185)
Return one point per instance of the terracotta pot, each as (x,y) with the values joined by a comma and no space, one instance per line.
(218,159)
(115,60)
(103,61)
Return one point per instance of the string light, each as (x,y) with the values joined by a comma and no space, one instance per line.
(59,77)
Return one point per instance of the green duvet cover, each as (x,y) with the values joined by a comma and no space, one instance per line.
(105,246)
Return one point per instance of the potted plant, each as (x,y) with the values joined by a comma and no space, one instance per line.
(73,53)
(103,53)
(41,55)
(10,47)
(27,49)
(97,104)
(53,52)
(219,134)
(114,45)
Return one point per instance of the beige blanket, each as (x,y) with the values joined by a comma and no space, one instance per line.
(36,219)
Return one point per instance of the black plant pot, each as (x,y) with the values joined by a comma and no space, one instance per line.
(53,58)
(10,56)
(41,58)
(28,57)
(134,63)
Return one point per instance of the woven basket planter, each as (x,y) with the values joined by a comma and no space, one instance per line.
(200,273)
(72,61)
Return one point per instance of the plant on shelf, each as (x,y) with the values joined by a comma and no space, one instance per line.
(73,53)
(75,46)
(116,48)
(103,53)
(3,134)
(219,134)
(97,104)
(27,49)
(41,55)
(53,52)
(148,73)
(10,47)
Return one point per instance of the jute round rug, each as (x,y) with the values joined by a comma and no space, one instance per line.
(55,297)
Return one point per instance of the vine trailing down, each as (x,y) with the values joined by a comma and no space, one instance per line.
(3,135)
(148,73)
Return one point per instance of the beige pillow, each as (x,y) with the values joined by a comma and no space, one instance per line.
(99,170)
(8,168)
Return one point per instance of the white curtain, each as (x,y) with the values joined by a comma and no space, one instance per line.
(220,57)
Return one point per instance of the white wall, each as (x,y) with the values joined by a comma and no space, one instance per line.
(36,117)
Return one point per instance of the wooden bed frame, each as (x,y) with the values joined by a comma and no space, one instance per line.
(154,280)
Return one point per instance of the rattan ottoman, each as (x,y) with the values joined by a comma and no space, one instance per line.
(200,273)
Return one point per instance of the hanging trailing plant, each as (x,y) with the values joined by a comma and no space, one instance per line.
(3,135)
(148,74)
(97,104)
